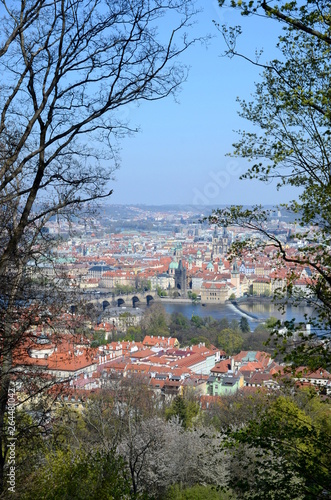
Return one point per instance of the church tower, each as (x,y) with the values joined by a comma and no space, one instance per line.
(215,245)
(198,261)
(235,278)
(224,244)
(178,252)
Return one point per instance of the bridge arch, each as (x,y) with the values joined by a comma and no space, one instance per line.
(135,299)
(120,302)
(149,298)
(105,304)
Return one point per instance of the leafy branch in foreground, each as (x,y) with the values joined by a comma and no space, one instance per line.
(288,142)
(292,340)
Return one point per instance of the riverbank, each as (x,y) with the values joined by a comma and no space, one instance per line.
(252,300)
(177,300)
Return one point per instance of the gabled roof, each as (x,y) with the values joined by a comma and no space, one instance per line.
(222,367)
(151,340)
(320,374)
(187,361)
(142,354)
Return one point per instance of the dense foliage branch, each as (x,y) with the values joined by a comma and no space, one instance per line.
(291,114)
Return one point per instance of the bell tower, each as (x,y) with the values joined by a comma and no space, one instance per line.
(215,245)
(235,278)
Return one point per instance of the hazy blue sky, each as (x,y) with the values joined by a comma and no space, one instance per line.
(179,154)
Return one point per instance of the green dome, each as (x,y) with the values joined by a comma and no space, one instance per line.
(173,265)
(210,267)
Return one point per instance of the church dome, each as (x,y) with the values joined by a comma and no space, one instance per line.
(173,265)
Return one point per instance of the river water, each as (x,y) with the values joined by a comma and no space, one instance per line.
(261,311)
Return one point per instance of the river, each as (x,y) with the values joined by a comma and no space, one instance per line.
(261,311)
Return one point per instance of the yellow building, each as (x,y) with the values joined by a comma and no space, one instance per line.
(262,286)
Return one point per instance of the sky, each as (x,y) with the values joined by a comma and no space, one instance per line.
(179,155)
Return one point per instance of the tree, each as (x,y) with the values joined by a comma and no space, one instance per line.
(185,409)
(138,446)
(291,145)
(123,289)
(236,411)
(109,414)
(187,458)
(230,341)
(134,333)
(142,285)
(155,321)
(193,296)
(79,475)
(291,109)
(200,339)
(243,324)
(197,321)
(310,17)
(257,340)
(178,320)
(223,323)
(271,322)
(161,454)
(160,292)
(68,69)
(296,442)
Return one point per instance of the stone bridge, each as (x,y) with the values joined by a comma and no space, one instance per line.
(129,299)
(108,299)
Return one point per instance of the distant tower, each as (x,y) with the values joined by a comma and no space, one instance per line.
(224,244)
(178,251)
(235,278)
(198,261)
(221,266)
(180,279)
(215,245)
(210,267)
